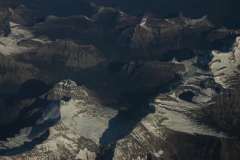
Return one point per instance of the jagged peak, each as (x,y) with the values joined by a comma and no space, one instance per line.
(67,88)
(174,60)
(68,82)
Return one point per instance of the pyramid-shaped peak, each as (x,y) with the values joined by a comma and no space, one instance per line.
(67,88)
(67,82)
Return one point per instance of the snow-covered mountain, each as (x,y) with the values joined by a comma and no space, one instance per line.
(84,80)
(76,126)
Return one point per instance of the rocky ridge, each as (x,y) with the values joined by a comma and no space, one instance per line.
(194,98)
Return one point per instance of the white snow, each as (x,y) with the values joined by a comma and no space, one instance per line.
(86,118)
(43,41)
(50,112)
(70,120)
(180,114)
(82,123)
(174,113)
(224,65)
(144,25)
(86,155)
(192,23)
(177,114)
(9,44)
(149,27)
(159,153)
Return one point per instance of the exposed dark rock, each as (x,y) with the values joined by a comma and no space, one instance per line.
(15,73)
(180,55)
(144,76)
(4,22)
(61,55)
(222,113)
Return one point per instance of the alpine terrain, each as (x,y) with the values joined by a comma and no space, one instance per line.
(119,80)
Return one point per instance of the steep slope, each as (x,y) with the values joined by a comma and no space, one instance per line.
(13,72)
(132,105)
(144,76)
(80,127)
(76,126)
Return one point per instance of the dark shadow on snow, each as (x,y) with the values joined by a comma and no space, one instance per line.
(123,124)
(27,146)
(119,127)
(106,153)
(31,89)
(50,115)
(203,60)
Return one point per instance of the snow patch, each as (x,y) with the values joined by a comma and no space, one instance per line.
(85,154)
(224,65)
(143,24)
(9,45)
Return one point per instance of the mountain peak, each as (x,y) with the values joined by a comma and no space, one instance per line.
(67,88)
(67,83)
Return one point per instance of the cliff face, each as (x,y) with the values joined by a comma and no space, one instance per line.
(16,107)
(13,72)
(63,54)
(4,22)
(144,76)
(67,88)
(79,127)
(222,113)
(148,36)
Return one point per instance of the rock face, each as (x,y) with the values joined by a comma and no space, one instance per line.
(4,23)
(67,88)
(221,116)
(144,76)
(194,9)
(69,55)
(13,72)
(159,31)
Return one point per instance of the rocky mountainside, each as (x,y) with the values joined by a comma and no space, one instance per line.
(14,72)
(119,80)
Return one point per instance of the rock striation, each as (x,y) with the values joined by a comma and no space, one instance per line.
(67,88)
(64,55)
(12,71)
(144,76)
(5,29)
(154,87)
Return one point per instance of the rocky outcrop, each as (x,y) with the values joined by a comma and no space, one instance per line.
(162,35)
(4,23)
(12,71)
(145,76)
(222,113)
(66,55)
(67,89)
(20,105)
(222,33)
